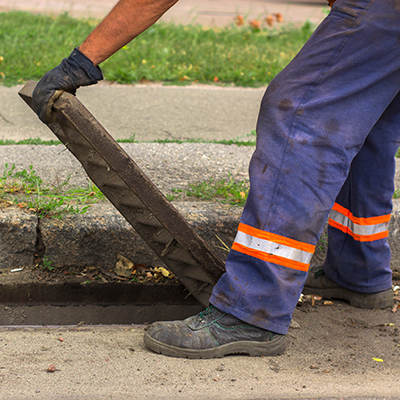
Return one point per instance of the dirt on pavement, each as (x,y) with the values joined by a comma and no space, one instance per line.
(338,351)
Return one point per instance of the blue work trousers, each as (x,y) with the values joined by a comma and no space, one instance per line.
(327,134)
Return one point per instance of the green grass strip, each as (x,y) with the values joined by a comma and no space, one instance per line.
(245,140)
(32,141)
(31,44)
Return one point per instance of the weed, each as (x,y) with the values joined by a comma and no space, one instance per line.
(396,194)
(229,190)
(27,190)
(177,194)
(131,139)
(323,241)
(47,264)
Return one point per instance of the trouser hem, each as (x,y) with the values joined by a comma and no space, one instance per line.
(330,273)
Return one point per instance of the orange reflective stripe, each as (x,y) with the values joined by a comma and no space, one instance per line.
(258,233)
(361,221)
(285,262)
(359,238)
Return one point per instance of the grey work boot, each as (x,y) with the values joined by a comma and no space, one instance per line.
(318,283)
(212,334)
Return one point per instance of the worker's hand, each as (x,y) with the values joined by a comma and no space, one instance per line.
(75,71)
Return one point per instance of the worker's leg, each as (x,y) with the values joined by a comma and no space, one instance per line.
(314,119)
(358,253)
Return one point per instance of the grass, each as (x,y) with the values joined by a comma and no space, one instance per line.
(226,190)
(30,45)
(31,141)
(245,140)
(26,190)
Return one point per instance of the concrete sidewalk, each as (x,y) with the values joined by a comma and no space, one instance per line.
(147,112)
(206,12)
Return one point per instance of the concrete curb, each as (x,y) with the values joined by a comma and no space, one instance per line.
(97,237)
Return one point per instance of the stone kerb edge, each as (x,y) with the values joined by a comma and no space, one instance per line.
(97,237)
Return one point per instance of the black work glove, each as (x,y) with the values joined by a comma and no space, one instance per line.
(75,71)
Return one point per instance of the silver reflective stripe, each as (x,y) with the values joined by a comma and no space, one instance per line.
(361,230)
(272,248)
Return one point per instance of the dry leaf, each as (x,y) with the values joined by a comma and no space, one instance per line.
(124,266)
(163,271)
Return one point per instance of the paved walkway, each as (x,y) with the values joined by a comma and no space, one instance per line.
(209,12)
(147,112)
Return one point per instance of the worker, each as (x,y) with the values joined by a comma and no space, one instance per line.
(327,134)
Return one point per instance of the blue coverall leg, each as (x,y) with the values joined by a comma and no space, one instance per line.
(326,121)
(358,253)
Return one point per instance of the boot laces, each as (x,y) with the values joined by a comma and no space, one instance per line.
(209,310)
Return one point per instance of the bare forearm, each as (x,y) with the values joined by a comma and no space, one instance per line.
(126,20)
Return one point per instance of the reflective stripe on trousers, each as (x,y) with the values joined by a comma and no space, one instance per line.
(273,248)
(360,229)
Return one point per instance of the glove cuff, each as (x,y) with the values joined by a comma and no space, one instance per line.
(86,64)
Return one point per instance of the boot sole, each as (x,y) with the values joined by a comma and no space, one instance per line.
(383,299)
(254,349)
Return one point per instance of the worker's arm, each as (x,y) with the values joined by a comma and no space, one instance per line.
(126,20)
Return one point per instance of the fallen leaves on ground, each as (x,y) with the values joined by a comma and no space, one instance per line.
(124,266)
(313,299)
